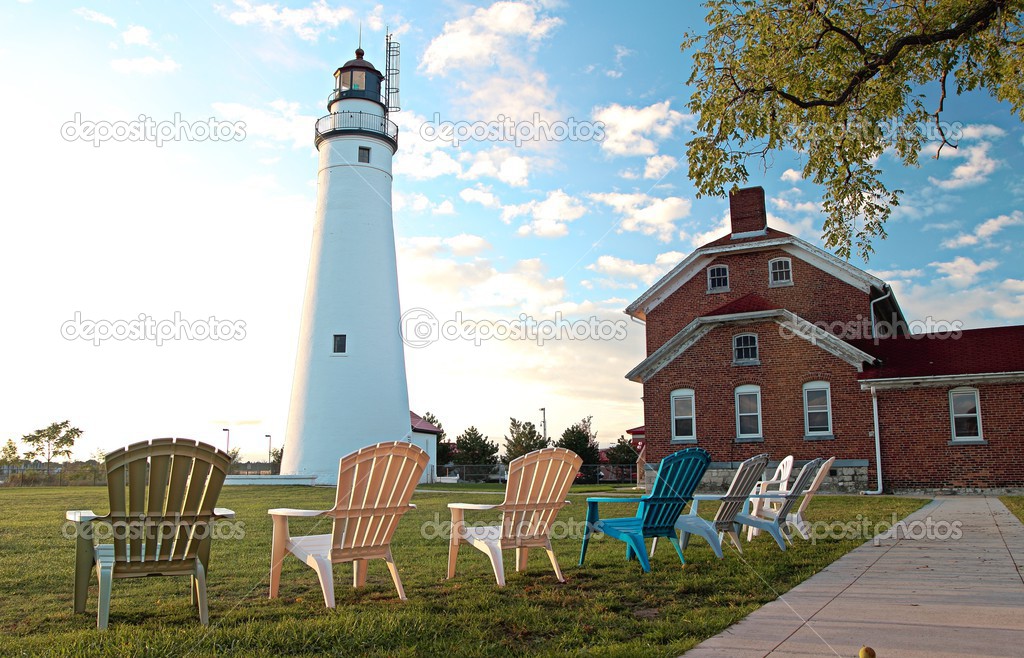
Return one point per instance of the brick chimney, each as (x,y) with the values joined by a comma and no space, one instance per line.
(747,212)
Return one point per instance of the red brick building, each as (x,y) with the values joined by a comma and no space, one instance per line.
(761,342)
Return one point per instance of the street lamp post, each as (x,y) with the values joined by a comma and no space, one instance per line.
(270,453)
(544,422)
(228,449)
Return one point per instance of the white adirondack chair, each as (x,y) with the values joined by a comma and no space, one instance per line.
(374,488)
(537,485)
(779,482)
(773,520)
(796,519)
(160,530)
(724,522)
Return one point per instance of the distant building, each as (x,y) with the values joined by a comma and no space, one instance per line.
(761,342)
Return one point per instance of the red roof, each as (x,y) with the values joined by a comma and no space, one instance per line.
(420,425)
(970,352)
(638,430)
(746,304)
(771,234)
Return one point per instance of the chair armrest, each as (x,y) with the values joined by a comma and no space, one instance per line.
(223,513)
(287,511)
(615,500)
(412,506)
(473,506)
(81,515)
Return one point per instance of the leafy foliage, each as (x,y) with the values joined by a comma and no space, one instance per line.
(581,439)
(432,419)
(523,438)
(57,440)
(621,453)
(472,447)
(839,81)
(9,455)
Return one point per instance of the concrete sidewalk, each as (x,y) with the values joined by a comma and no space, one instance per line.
(905,597)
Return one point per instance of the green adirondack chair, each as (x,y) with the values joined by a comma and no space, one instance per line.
(163,529)
(678,476)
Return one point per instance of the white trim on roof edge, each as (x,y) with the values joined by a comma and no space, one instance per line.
(792,245)
(941,380)
(699,327)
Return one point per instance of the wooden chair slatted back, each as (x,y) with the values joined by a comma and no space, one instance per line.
(743,483)
(538,483)
(375,485)
(678,477)
(162,495)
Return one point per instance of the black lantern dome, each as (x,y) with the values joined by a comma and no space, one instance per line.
(357,78)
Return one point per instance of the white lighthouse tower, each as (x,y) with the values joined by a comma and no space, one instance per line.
(349,389)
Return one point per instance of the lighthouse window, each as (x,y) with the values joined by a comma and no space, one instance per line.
(358,79)
(364,153)
(339,343)
(345,81)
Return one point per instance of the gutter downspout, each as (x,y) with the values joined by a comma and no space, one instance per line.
(878,444)
(874,334)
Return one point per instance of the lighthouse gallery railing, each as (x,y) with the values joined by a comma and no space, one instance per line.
(355,121)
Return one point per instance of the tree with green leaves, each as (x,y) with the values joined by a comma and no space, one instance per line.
(9,456)
(621,453)
(472,447)
(523,438)
(56,440)
(839,81)
(276,455)
(581,439)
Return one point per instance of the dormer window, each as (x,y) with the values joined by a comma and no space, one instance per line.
(718,278)
(780,272)
(744,349)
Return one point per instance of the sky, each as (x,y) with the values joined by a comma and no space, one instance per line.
(212,226)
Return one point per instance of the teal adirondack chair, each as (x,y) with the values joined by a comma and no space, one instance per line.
(678,476)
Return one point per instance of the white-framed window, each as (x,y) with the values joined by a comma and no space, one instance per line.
(748,411)
(817,409)
(684,419)
(718,278)
(965,414)
(744,349)
(780,272)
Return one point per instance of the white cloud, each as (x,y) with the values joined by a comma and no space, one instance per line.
(419,158)
(785,205)
(976,170)
(489,56)
(722,228)
(461,245)
(962,271)
(647,273)
(981,131)
(984,232)
(500,163)
(480,194)
(1013,285)
(551,216)
(145,65)
(419,203)
(658,166)
(646,214)
(308,23)
(791,176)
(621,52)
(280,122)
(136,35)
(95,17)
(634,131)
(485,36)
(802,228)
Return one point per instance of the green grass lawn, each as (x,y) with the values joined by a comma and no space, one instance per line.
(607,607)
(1015,504)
